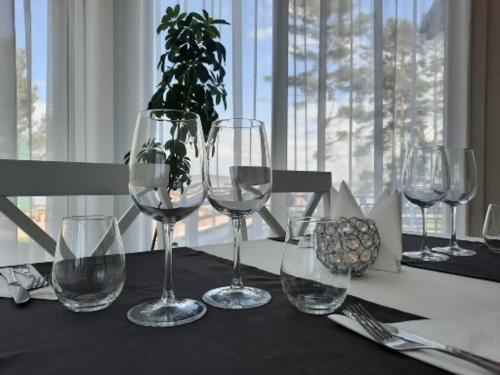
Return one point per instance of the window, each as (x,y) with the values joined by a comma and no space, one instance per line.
(366,80)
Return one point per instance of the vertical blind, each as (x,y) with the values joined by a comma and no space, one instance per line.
(366,82)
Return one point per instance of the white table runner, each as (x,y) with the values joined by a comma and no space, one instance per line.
(426,293)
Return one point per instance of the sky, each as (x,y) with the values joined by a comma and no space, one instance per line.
(38,40)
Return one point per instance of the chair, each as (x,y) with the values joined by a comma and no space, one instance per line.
(318,183)
(51,178)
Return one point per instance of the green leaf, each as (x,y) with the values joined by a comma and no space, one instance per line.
(197,16)
(202,73)
(177,10)
(195,58)
(221,22)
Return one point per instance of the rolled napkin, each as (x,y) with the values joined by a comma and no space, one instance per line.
(386,213)
(25,281)
(477,334)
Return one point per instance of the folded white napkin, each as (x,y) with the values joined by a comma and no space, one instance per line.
(25,281)
(476,334)
(386,213)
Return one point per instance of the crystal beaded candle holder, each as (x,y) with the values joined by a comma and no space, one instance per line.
(352,241)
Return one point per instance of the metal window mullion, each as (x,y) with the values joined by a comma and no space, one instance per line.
(280,85)
(393,109)
(378,70)
(237,73)
(256,5)
(305,85)
(350,93)
(255,29)
(295,83)
(279,127)
(414,73)
(324,13)
(29,65)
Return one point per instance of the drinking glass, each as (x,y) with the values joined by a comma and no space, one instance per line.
(463,184)
(166,162)
(491,228)
(310,283)
(425,181)
(238,183)
(88,272)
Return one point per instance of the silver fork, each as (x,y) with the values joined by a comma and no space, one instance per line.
(383,336)
(37,282)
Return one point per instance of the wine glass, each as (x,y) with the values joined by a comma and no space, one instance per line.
(238,183)
(166,183)
(425,181)
(463,185)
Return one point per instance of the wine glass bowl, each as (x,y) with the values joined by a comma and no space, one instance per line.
(463,185)
(245,191)
(238,181)
(166,183)
(425,181)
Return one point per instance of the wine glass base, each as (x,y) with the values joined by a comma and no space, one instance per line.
(426,256)
(235,298)
(455,251)
(159,313)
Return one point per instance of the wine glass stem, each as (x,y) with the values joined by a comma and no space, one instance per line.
(236,282)
(166,234)
(453,239)
(425,245)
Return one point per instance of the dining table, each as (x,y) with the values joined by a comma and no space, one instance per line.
(42,337)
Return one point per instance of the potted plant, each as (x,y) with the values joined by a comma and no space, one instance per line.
(192,68)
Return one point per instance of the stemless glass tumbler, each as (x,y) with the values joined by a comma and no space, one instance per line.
(88,272)
(315,274)
(491,228)
(425,181)
(238,183)
(463,184)
(166,162)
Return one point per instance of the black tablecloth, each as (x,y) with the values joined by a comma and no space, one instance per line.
(484,265)
(42,337)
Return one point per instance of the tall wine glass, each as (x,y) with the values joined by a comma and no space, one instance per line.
(238,183)
(463,185)
(166,163)
(425,181)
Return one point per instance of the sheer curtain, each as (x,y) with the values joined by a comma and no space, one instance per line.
(8,122)
(248,80)
(343,85)
(366,81)
(79,71)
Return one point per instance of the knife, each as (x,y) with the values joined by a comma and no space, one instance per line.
(18,292)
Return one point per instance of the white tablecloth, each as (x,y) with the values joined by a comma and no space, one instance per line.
(426,293)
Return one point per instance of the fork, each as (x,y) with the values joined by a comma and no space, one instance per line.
(383,336)
(37,282)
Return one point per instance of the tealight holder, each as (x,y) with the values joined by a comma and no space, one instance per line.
(352,240)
